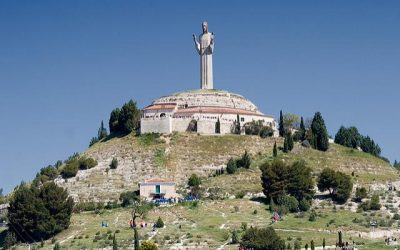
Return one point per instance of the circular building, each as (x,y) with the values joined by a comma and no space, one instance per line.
(201,111)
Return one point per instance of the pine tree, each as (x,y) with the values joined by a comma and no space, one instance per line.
(275,151)
(136,236)
(281,126)
(218,127)
(320,133)
(113,122)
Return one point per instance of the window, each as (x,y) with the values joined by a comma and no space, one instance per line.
(162,115)
(242,119)
(158,189)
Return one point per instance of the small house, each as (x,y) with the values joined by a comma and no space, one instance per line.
(157,189)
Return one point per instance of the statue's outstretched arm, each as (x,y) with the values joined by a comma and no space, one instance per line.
(196,43)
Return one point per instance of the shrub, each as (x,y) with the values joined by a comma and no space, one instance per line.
(87,163)
(231,167)
(313,216)
(235,237)
(194,181)
(374,203)
(159,223)
(10,240)
(114,163)
(70,169)
(148,245)
(244,161)
(297,245)
(264,238)
(304,205)
(289,202)
(127,198)
(361,193)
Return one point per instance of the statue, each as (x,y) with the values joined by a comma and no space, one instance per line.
(205,48)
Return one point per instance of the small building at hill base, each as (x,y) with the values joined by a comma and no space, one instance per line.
(157,189)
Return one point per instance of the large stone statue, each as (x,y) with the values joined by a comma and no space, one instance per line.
(205,48)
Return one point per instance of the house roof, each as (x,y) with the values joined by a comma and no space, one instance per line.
(156,181)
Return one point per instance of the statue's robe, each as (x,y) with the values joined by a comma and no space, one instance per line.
(205,49)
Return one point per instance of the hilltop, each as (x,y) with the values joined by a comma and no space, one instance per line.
(176,156)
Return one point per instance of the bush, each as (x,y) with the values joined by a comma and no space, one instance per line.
(304,205)
(87,163)
(374,203)
(264,238)
(10,240)
(396,217)
(361,193)
(159,223)
(127,198)
(231,167)
(70,169)
(114,163)
(148,245)
(289,202)
(313,216)
(245,161)
(194,181)
(235,237)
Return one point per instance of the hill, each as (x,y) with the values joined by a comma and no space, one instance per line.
(177,156)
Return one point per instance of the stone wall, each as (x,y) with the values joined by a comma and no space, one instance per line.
(156,125)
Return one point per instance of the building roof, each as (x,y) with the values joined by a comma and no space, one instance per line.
(156,181)
(218,110)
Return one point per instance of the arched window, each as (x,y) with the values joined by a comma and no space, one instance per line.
(162,115)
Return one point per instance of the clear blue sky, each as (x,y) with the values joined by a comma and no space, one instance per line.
(64,65)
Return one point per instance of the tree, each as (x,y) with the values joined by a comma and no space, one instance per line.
(312,247)
(286,145)
(279,179)
(10,240)
(275,151)
(396,165)
(194,181)
(148,245)
(262,239)
(136,239)
(39,213)
(231,167)
(348,137)
(302,130)
(361,193)
(340,241)
(235,237)
(129,118)
(369,146)
(70,169)
(290,143)
(140,209)
(338,184)
(218,127)
(306,246)
(236,125)
(320,139)
(290,122)
(113,122)
(281,125)
(102,132)
(245,161)
(297,245)
(323,243)
(115,244)
(57,246)
(114,163)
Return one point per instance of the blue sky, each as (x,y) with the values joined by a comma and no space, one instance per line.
(64,65)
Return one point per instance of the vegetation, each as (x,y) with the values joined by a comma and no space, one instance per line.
(194,181)
(39,213)
(280,179)
(126,119)
(281,125)
(361,193)
(319,134)
(148,245)
(159,223)
(101,134)
(87,163)
(262,239)
(114,163)
(231,167)
(258,128)
(218,126)
(337,183)
(128,198)
(275,150)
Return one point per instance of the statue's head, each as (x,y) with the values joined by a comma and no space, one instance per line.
(205,27)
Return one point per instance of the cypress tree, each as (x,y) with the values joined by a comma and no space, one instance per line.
(237,125)
(102,133)
(281,127)
(319,133)
(285,145)
(115,245)
(323,243)
(218,127)
(312,245)
(340,238)
(275,150)
(290,141)
(302,130)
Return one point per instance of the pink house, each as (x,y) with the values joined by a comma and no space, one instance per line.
(157,189)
